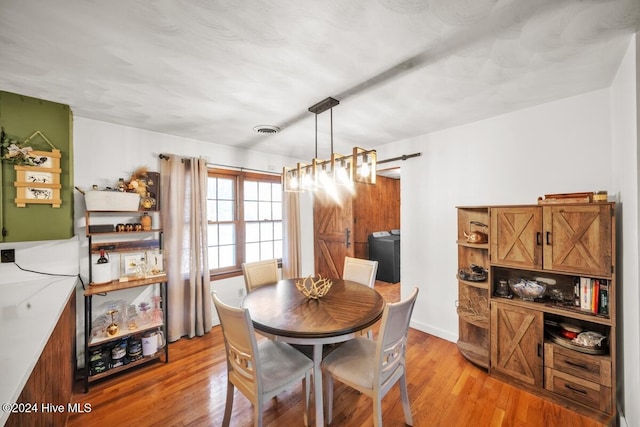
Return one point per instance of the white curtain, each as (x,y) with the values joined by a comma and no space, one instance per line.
(184,217)
(291,256)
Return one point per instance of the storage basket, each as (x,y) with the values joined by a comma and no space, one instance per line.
(111,201)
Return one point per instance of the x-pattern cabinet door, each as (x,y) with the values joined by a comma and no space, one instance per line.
(517,343)
(578,239)
(516,238)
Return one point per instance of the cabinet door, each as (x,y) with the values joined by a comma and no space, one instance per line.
(516,343)
(516,238)
(578,239)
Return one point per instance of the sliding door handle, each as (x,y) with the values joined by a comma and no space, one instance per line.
(347,237)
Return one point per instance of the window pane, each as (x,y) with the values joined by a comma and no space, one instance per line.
(225,211)
(252,252)
(211,210)
(266,231)
(251,190)
(277,249)
(251,211)
(213,258)
(266,250)
(226,189)
(276,192)
(212,235)
(227,234)
(211,188)
(277,231)
(264,189)
(277,211)
(227,256)
(264,211)
(252,232)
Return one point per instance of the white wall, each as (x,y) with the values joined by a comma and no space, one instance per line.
(625,95)
(558,147)
(104,152)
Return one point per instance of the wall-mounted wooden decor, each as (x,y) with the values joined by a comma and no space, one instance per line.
(39,183)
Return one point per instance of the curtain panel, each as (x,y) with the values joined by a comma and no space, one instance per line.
(291,262)
(184,216)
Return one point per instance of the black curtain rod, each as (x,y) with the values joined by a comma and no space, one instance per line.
(240,168)
(403,158)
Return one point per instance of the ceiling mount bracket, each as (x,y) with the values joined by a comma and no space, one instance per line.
(324,105)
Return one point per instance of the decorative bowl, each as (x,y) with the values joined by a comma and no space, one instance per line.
(314,289)
(526,289)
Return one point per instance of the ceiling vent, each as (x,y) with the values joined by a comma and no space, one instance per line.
(266,129)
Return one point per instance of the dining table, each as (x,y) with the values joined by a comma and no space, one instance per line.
(281,312)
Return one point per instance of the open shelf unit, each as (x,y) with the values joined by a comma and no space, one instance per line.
(121,242)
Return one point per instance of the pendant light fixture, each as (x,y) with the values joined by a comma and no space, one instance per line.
(337,171)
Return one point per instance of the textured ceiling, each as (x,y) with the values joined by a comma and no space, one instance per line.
(212,70)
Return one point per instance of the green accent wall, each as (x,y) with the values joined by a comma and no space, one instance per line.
(21,116)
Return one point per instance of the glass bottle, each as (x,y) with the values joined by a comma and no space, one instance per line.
(148,202)
(145,220)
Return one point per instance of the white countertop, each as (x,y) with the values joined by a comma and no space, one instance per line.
(29,311)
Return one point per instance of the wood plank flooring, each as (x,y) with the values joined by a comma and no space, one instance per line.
(444,390)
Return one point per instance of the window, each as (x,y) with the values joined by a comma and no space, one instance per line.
(244,213)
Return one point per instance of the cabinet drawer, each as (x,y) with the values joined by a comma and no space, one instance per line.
(592,368)
(588,393)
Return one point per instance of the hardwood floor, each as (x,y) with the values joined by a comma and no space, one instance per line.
(444,390)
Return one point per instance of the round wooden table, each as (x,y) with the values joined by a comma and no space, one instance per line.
(281,312)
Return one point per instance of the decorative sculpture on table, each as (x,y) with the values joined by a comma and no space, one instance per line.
(314,289)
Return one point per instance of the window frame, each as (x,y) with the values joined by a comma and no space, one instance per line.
(239,177)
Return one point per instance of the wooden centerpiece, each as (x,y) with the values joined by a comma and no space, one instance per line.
(314,289)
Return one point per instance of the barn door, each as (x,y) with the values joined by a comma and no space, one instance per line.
(333,232)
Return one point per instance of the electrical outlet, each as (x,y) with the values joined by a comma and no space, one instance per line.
(8,255)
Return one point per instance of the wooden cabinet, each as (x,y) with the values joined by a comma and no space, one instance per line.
(566,238)
(473,295)
(571,248)
(100,346)
(517,343)
(51,381)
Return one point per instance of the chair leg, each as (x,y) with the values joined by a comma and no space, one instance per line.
(228,406)
(404,396)
(305,400)
(257,414)
(377,409)
(328,396)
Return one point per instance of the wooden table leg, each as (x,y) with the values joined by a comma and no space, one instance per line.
(317,384)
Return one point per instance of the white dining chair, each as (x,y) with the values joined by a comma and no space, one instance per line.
(373,367)
(361,271)
(259,273)
(259,371)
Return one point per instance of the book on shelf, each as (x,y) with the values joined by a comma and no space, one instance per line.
(592,295)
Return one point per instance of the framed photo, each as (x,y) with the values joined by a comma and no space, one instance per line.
(36,177)
(132,264)
(155,263)
(39,183)
(38,193)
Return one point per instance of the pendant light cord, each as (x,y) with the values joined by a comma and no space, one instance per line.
(316,135)
(331,122)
